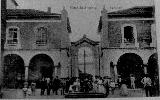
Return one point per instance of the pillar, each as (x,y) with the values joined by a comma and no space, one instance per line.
(116,74)
(55,70)
(145,68)
(157,16)
(26,73)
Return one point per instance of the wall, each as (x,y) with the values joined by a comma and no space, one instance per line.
(11,5)
(115,36)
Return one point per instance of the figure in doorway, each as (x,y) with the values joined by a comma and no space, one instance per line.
(132,79)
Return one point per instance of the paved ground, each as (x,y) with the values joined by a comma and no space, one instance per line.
(17,94)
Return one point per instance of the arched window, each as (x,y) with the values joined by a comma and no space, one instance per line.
(41,36)
(12,36)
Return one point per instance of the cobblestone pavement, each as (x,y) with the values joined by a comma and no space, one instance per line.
(18,94)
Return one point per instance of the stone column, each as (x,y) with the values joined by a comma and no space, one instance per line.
(76,65)
(115,72)
(145,68)
(153,35)
(26,73)
(55,70)
(157,15)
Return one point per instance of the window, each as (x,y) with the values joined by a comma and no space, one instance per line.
(128,34)
(12,35)
(41,36)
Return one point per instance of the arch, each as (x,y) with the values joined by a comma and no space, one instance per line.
(14,71)
(131,63)
(41,65)
(152,68)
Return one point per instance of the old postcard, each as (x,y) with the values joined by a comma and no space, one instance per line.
(58,49)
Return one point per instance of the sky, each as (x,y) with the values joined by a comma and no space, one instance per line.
(83,21)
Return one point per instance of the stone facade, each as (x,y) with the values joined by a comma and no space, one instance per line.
(113,43)
(24,29)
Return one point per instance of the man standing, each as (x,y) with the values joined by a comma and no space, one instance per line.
(147,85)
(132,79)
(56,85)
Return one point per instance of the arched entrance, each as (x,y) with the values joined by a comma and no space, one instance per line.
(128,64)
(152,68)
(41,65)
(14,71)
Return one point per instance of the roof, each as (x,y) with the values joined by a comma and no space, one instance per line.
(14,1)
(85,39)
(30,14)
(134,12)
(138,11)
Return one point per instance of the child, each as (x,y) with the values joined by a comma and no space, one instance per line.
(33,88)
(112,86)
(25,91)
(29,91)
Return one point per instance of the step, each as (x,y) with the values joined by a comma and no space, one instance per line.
(85,95)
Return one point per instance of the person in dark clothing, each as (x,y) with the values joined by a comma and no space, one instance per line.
(43,86)
(48,85)
(67,86)
(56,85)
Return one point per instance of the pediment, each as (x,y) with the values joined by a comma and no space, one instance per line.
(84,40)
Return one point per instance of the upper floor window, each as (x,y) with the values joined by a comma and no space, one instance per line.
(12,35)
(41,36)
(128,34)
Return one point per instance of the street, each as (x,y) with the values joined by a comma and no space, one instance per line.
(17,94)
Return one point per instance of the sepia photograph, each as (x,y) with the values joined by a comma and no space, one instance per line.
(67,49)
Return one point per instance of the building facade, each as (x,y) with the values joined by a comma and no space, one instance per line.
(36,45)
(128,43)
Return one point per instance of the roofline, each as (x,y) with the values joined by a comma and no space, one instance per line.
(111,13)
(14,1)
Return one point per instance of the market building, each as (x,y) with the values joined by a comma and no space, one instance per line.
(128,43)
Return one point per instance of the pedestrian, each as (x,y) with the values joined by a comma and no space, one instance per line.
(25,88)
(119,82)
(147,85)
(106,85)
(43,85)
(33,88)
(124,89)
(29,91)
(112,86)
(132,79)
(48,81)
(56,85)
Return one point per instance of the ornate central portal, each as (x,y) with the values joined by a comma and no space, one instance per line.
(85,57)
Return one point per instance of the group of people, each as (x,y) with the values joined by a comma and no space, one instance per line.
(50,84)
(29,89)
(95,84)
(148,85)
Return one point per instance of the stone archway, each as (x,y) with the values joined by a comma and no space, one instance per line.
(130,63)
(40,65)
(14,71)
(95,64)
